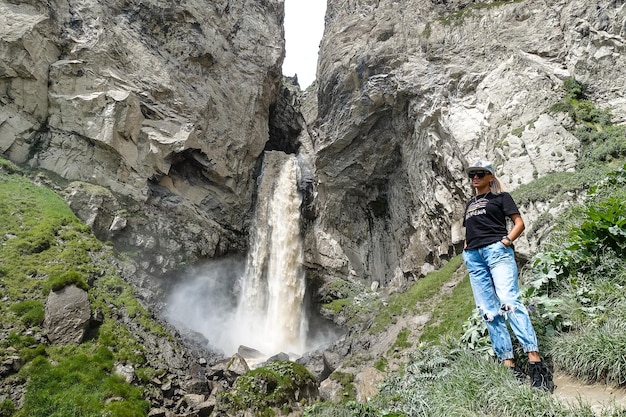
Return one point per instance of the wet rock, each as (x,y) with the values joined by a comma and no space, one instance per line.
(249,353)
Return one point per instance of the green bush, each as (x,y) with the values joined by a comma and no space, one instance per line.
(603,227)
(273,385)
(573,89)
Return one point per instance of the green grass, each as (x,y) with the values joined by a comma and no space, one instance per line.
(40,238)
(443,382)
(408,302)
(449,315)
(594,352)
(402,340)
(31,312)
(76,381)
(44,247)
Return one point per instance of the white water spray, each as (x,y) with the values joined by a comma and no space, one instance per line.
(270,316)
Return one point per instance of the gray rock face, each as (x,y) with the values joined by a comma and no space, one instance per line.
(67,315)
(165,105)
(412,92)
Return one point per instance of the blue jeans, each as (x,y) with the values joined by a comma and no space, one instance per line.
(493,275)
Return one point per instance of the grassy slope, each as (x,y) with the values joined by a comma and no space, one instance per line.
(43,246)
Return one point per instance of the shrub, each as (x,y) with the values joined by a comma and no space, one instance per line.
(273,385)
(573,89)
(604,226)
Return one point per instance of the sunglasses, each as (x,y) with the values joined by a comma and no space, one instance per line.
(479,174)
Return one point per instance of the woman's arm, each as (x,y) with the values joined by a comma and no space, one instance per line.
(518,228)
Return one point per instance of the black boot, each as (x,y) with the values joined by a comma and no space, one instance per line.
(541,377)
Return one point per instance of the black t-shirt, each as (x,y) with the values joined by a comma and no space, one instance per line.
(485,218)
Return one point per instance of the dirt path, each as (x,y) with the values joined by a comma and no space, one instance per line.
(598,396)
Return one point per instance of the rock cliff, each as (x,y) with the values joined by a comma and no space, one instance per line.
(155,116)
(156,111)
(411,92)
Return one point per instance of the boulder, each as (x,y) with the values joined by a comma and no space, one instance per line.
(67,315)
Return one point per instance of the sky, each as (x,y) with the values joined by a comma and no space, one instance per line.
(304,26)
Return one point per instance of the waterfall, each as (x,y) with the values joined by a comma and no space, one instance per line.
(270,314)
(257,302)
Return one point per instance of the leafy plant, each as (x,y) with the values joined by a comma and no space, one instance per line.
(604,226)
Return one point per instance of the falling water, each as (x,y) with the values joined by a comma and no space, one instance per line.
(265,309)
(270,314)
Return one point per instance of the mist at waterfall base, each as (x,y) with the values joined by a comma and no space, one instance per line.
(258,302)
(205,300)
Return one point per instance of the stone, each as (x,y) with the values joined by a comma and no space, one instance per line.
(249,353)
(196,386)
(237,365)
(125,371)
(331,390)
(67,314)
(157,412)
(367,382)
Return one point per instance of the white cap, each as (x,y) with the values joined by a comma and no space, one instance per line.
(481,166)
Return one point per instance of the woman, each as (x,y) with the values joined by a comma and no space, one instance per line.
(490,260)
